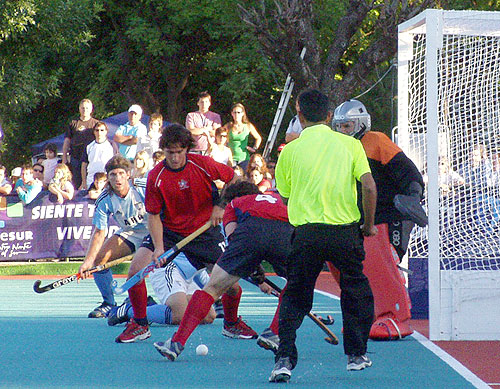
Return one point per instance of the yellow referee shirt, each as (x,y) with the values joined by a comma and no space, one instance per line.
(317,173)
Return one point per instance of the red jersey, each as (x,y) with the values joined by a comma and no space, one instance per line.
(268,206)
(185,197)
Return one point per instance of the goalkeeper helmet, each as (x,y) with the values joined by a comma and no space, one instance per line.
(352,111)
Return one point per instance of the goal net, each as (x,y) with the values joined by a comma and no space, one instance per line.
(449,124)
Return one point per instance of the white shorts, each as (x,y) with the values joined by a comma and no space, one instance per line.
(133,237)
(167,281)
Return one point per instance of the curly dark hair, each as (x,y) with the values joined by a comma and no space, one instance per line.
(176,134)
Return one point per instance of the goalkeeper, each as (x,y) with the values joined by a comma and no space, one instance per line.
(399,187)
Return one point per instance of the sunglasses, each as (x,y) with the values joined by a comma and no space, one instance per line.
(38,170)
(100,130)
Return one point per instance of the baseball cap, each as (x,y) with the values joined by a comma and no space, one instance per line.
(280,147)
(136,108)
(17,172)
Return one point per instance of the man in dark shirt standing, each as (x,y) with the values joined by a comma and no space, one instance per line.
(78,135)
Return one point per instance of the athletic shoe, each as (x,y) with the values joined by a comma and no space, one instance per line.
(269,340)
(101,311)
(133,332)
(169,349)
(238,330)
(282,371)
(118,315)
(355,362)
(219,310)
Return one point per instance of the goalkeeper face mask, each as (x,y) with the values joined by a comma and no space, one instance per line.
(351,118)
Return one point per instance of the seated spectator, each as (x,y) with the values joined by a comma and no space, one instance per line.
(258,161)
(100,181)
(49,163)
(257,176)
(127,134)
(158,156)
(27,187)
(218,148)
(448,178)
(238,170)
(15,175)
(141,165)
(96,154)
(39,172)
(5,185)
(151,141)
(61,184)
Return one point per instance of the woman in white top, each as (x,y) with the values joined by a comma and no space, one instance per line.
(218,149)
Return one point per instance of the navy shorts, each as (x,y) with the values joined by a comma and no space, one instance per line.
(255,240)
(203,250)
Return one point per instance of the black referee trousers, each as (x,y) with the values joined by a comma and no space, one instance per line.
(312,245)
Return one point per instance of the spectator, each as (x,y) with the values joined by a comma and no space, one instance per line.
(239,130)
(257,177)
(100,181)
(49,163)
(39,172)
(294,127)
(203,124)
(127,134)
(5,185)
(158,156)
(478,171)
(257,161)
(141,165)
(219,150)
(96,155)
(61,184)
(150,142)
(28,187)
(239,171)
(16,174)
(78,136)
(448,178)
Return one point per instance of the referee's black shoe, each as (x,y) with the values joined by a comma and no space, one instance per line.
(282,371)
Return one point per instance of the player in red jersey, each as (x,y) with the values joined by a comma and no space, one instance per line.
(180,197)
(257,228)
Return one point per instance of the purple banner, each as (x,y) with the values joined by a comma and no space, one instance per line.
(44,228)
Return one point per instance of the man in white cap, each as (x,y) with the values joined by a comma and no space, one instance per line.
(126,135)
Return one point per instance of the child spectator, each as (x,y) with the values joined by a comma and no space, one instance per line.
(38,172)
(258,161)
(5,185)
(257,176)
(158,156)
(150,141)
(15,175)
(141,165)
(27,187)
(239,171)
(96,155)
(61,184)
(218,148)
(100,181)
(49,163)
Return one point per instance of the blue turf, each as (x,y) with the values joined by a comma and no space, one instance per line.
(47,341)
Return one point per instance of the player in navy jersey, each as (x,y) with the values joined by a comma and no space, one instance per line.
(180,198)
(125,203)
(257,228)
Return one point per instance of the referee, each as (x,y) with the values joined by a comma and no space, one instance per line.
(316,175)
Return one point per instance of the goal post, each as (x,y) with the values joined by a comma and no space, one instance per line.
(449,124)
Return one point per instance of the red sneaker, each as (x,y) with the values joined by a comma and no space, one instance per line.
(238,330)
(133,332)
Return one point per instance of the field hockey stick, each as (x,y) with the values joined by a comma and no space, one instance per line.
(141,274)
(63,281)
(331,338)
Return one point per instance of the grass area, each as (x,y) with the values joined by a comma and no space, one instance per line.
(52,268)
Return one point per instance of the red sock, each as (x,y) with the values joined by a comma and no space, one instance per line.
(197,309)
(230,305)
(275,323)
(138,295)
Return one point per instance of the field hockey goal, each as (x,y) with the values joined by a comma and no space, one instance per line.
(449,124)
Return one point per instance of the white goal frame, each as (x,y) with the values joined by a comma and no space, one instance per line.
(463,304)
